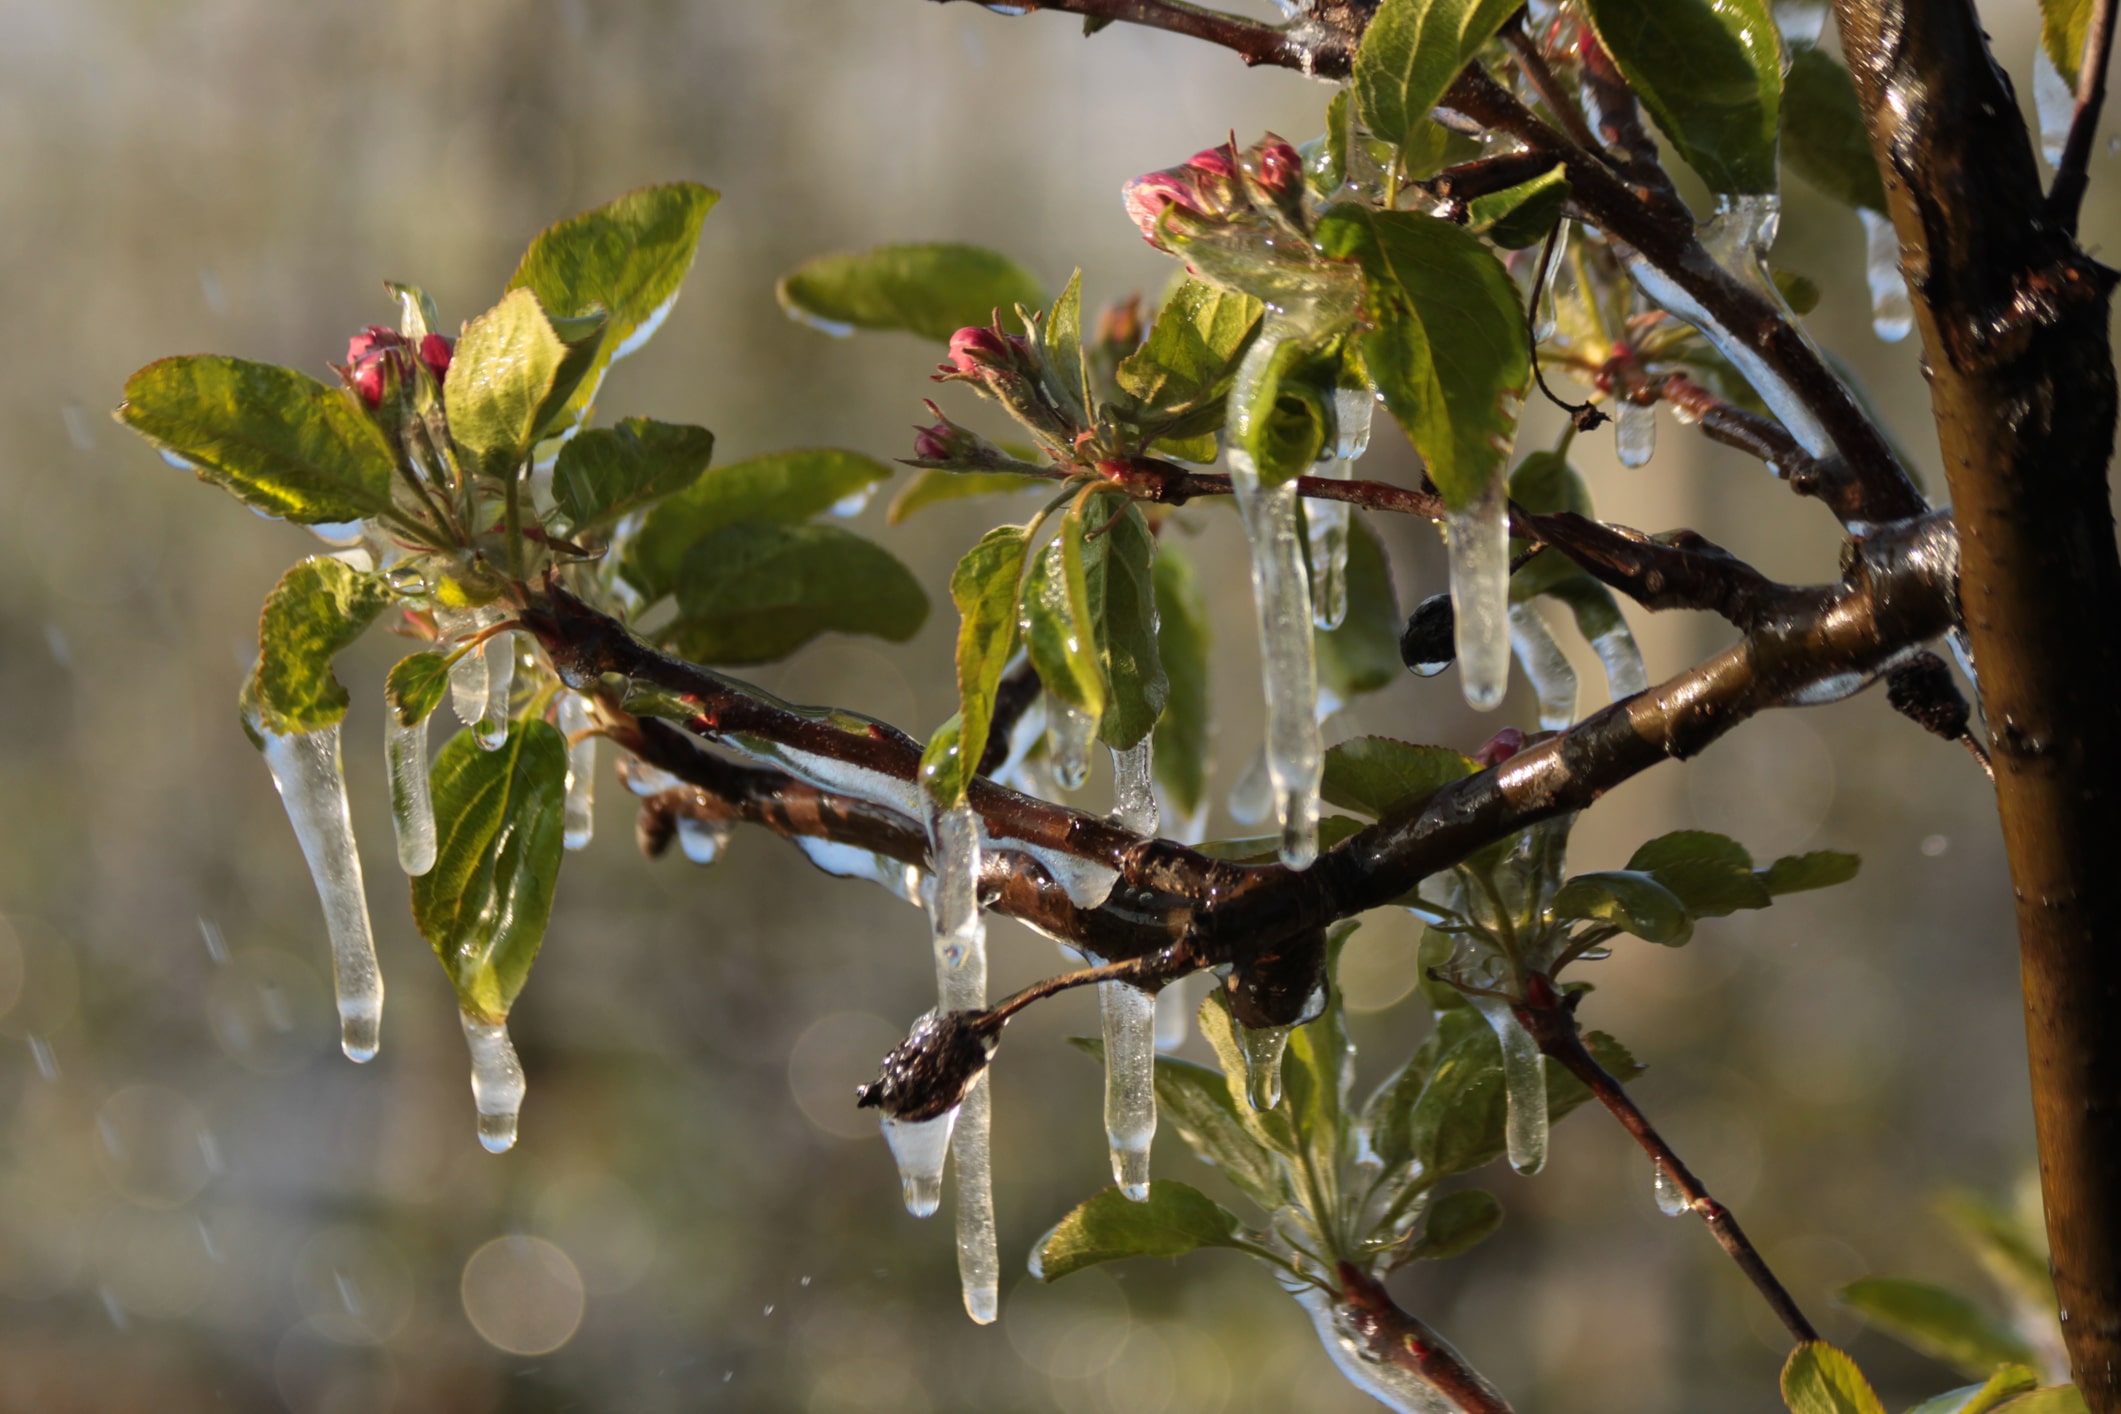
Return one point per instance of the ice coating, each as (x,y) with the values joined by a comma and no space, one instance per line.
(919,1147)
(979,1261)
(959,929)
(845,861)
(1552,679)
(645,780)
(2055,104)
(1069,733)
(961,985)
(840,777)
(496,1082)
(1172,1015)
(468,681)
(1480,595)
(1634,432)
(412,809)
(703,840)
(1129,1016)
(491,730)
(1326,522)
(1281,596)
(1624,674)
(1671,1201)
(1263,1047)
(1892,313)
(575,723)
(312,787)
(1134,807)
(1391,1385)
(1524,1081)
(1548,320)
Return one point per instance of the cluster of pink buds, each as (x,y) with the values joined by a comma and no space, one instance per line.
(946,444)
(1010,370)
(1218,187)
(378,349)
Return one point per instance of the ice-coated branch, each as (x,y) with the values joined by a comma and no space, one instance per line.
(1323,46)
(1756,436)
(2066,197)
(1679,570)
(1397,1339)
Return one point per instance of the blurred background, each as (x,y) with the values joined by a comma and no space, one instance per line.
(204,1206)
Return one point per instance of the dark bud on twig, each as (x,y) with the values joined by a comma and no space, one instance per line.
(1922,690)
(928,1073)
(1426,646)
(1283,986)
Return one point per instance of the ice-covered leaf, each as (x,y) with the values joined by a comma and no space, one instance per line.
(628,259)
(1710,873)
(1376,774)
(1520,216)
(1180,757)
(416,687)
(1710,73)
(931,487)
(606,473)
(498,380)
(984,588)
(930,290)
(1411,52)
(1175,1219)
(785,487)
(1362,655)
(1941,1324)
(2062,28)
(1270,1129)
(1062,339)
(1634,902)
(1822,132)
(756,591)
(498,827)
(273,438)
(1457,1224)
(1820,869)
(1457,1120)
(1445,343)
(2055,1399)
(1118,570)
(1054,616)
(1287,417)
(1983,1398)
(1178,377)
(318,608)
(1819,1379)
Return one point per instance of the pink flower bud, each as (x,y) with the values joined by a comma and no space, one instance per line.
(974,348)
(932,444)
(375,336)
(1146,199)
(436,352)
(367,379)
(1214,162)
(1281,171)
(1500,747)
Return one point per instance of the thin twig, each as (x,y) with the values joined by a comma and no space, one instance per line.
(1549,89)
(1251,40)
(2065,198)
(1396,1337)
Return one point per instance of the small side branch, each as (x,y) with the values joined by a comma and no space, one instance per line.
(1396,1337)
(2065,199)
(1327,53)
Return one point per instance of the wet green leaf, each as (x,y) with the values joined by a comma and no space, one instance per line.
(416,687)
(930,487)
(1520,216)
(484,905)
(1176,1219)
(1941,1324)
(984,588)
(1984,1397)
(929,290)
(1635,902)
(1710,873)
(317,609)
(1118,570)
(1362,655)
(1457,1224)
(1062,339)
(1446,342)
(1189,358)
(1289,418)
(1822,132)
(1710,74)
(1411,52)
(1818,1379)
(1180,756)
(504,367)
(606,473)
(756,591)
(1054,616)
(1821,869)
(785,487)
(2055,1399)
(271,437)
(1376,774)
(2063,24)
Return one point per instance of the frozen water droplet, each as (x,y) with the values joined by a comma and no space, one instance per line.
(1552,679)
(1524,1081)
(645,780)
(412,809)
(703,840)
(1892,313)
(312,787)
(491,730)
(468,677)
(920,1147)
(1252,796)
(1670,1200)
(2055,103)
(496,1082)
(1070,733)
(216,944)
(1129,1016)
(1263,1047)
(1326,522)
(1801,22)
(1634,433)
(1480,596)
(575,723)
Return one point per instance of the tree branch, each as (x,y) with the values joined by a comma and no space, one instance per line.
(1322,50)
(1396,1337)
(2066,197)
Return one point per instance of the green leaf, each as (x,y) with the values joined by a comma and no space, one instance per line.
(2010,1249)
(417,315)
(1362,655)
(1446,342)
(273,438)
(1118,570)
(416,686)
(1376,774)
(1180,755)
(1061,338)
(1411,52)
(1822,132)
(1710,72)
(1269,1129)
(1821,869)
(1286,424)
(2055,1399)
(606,473)
(1818,1379)
(1189,358)
(1054,616)
(1635,902)
(318,608)
(484,905)
(1318,1080)
(984,588)
(1457,1224)
(1710,873)
(785,487)
(1523,215)
(1176,1219)
(1984,1397)
(929,290)
(756,591)
(503,368)
(629,259)
(1941,1324)
(1544,483)
(931,487)
(2063,24)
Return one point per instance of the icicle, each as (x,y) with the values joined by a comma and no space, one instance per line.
(961,979)
(491,730)
(2055,103)
(1134,807)
(703,840)
(1634,432)
(1551,676)
(1892,314)
(1281,595)
(1480,596)
(1069,734)
(1326,522)
(1172,1015)
(468,677)
(1524,1080)
(496,1082)
(1549,300)
(1624,673)
(1391,1385)
(959,929)
(1670,1200)
(575,721)
(1801,22)
(1263,1046)
(1252,796)
(1129,1016)
(919,1146)
(312,787)
(979,1261)
(412,809)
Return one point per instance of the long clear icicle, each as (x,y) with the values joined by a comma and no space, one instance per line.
(491,730)
(1524,1081)
(1624,673)
(412,810)
(961,981)
(1326,522)
(312,787)
(575,724)
(1634,432)
(1070,734)
(1552,679)
(1480,595)
(1281,594)
(1892,313)
(1547,322)
(496,1082)
(1128,1013)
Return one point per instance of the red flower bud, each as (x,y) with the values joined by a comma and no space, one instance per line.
(436,352)
(1281,171)
(1500,747)
(974,348)
(367,379)
(1146,199)
(948,442)
(932,444)
(375,336)
(1214,162)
